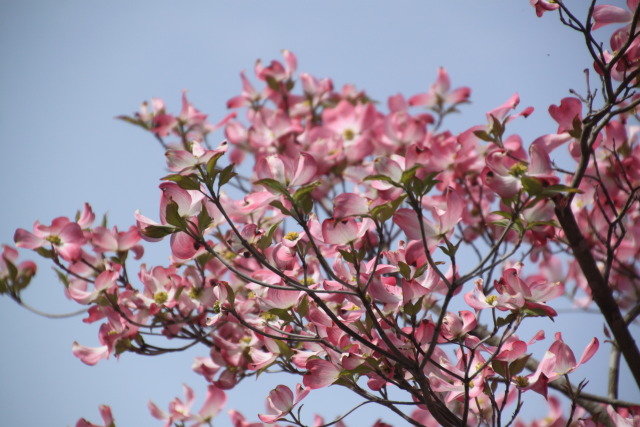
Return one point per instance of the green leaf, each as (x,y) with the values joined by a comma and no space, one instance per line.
(305,190)
(413,309)
(408,174)
(284,349)
(518,365)
(211,164)
(203,218)
(385,211)
(45,253)
(281,313)
(533,186)
(382,178)
(303,306)
(186,182)
(158,231)
(265,241)
(502,321)
(133,121)
(576,132)
(230,293)
(62,277)
(405,270)
(559,189)
(306,204)
(428,182)
(278,205)
(534,224)
(173,216)
(275,186)
(535,312)
(504,223)
(497,127)
(226,175)
(347,256)
(272,83)
(483,135)
(504,214)
(499,367)
(420,271)
(13,270)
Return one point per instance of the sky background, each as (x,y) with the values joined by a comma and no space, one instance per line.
(69,67)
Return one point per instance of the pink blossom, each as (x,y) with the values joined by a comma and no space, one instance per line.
(321,373)
(107,419)
(344,231)
(543,6)
(281,401)
(180,411)
(605,14)
(90,355)
(65,237)
(440,94)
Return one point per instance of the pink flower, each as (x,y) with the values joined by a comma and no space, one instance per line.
(105,240)
(288,172)
(321,373)
(606,14)
(543,6)
(559,360)
(65,237)
(180,411)
(440,94)
(107,419)
(569,110)
(446,218)
(281,401)
(344,231)
(90,355)
(9,257)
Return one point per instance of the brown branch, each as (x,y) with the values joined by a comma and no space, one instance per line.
(600,291)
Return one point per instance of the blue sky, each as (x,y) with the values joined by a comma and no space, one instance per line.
(70,67)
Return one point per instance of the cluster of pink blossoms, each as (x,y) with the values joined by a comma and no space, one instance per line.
(351,240)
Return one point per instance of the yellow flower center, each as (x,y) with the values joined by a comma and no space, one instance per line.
(54,239)
(518,169)
(292,235)
(161,297)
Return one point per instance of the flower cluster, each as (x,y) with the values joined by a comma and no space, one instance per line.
(341,254)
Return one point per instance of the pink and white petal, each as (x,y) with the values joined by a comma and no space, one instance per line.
(305,170)
(589,351)
(90,355)
(350,204)
(340,232)
(107,416)
(213,403)
(453,212)
(69,252)
(606,14)
(301,393)
(321,373)
(26,239)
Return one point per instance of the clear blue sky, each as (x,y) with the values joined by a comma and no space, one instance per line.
(69,67)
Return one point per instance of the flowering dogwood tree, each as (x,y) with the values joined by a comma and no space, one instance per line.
(376,251)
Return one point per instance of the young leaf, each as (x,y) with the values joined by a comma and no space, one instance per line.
(173,216)
(158,231)
(186,182)
(226,175)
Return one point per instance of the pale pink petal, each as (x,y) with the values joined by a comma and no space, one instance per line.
(606,14)
(90,355)
(321,373)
